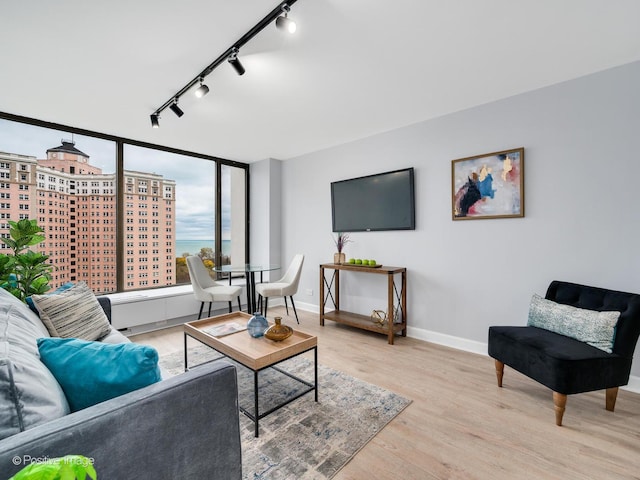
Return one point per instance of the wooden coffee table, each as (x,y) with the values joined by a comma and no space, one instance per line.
(256,354)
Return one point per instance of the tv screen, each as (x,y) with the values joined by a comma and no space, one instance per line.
(384,201)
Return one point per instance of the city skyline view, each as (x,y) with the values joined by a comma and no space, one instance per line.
(194,214)
(74,203)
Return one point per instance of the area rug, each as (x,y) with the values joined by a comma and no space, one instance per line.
(305,439)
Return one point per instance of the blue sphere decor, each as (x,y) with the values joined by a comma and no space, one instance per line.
(257,325)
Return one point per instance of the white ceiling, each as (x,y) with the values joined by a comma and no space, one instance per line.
(354,68)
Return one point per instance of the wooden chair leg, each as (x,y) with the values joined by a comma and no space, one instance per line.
(499,371)
(201,307)
(559,402)
(612,395)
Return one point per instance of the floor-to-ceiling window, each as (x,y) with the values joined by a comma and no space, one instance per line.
(120,214)
(67,182)
(169,214)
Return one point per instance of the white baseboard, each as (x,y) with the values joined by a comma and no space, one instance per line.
(481,349)
(633,385)
(459,343)
(307,307)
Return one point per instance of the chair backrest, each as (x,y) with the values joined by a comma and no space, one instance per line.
(200,278)
(292,275)
(601,300)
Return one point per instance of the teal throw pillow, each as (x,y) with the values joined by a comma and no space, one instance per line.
(589,326)
(92,372)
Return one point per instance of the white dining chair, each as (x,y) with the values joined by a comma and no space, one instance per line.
(206,289)
(287,286)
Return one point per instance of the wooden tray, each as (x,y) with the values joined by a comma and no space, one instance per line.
(377,265)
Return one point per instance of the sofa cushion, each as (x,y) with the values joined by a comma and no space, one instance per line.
(92,372)
(21,327)
(73,313)
(30,321)
(589,326)
(115,336)
(29,393)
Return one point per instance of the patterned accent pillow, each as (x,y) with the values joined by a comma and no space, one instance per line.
(73,313)
(592,327)
(61,288)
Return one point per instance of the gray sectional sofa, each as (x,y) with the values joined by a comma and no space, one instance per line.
(186,426)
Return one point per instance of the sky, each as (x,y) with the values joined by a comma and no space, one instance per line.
(195,178)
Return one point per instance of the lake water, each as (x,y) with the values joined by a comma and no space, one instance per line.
(193,247)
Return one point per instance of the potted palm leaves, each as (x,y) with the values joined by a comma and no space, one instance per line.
(24,272)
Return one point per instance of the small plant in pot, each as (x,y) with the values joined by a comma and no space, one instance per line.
(341,240)
(24,272)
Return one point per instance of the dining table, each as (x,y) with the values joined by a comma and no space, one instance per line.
(249,270)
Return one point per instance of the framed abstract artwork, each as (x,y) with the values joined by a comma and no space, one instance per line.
(488,186)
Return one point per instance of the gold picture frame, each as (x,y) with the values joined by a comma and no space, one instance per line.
(486,186)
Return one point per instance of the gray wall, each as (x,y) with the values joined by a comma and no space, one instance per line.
(581,182)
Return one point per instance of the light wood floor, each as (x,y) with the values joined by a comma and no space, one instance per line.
(460,424)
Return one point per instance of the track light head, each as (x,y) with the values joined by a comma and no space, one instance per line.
(235,63)
(202,90)
(176,109)
(284,22)
(280,14)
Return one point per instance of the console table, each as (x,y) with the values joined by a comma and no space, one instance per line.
(332,291)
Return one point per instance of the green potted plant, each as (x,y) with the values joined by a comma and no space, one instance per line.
(341,240)
(24,272)
(70,467)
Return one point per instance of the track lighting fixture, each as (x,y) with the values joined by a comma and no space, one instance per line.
(279,14)
(235,63)
(176,109)
(202,90)
(284,22)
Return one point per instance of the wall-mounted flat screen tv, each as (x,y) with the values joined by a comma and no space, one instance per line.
(385,201)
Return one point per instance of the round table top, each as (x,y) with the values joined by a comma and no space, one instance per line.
(247,267)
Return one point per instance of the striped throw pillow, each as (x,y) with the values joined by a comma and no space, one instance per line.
(74,313)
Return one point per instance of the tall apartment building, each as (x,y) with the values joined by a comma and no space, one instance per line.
(75,204)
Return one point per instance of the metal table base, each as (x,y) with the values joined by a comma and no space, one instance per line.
(257,416)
